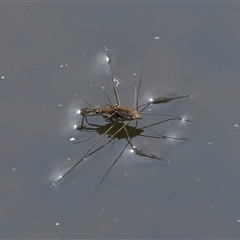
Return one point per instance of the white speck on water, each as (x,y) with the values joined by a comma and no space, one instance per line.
(78,111)
(60,105)
(57,224)
(72,139)
(235,125)
(75,126)
(14,169)
(210,143)
(2,77)
(157,38)
(116,82)
(183,119)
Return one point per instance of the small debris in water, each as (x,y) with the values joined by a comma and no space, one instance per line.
(116,82)
(62,65)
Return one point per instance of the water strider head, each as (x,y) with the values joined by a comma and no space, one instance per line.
(91,111)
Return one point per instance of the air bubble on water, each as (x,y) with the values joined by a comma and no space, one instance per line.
(116,82)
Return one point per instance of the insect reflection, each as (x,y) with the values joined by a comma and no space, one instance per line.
(119,119)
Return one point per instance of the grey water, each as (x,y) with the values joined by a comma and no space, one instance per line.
(51,56)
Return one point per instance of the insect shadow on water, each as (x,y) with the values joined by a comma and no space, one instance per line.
(118,126)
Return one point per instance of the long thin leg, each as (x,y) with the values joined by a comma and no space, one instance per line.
(138,92)
(113,80)
(161,100)
(85,139)
(168,115)
(110,168)
(138,151)
(163,136)
(85,155)
(154,124)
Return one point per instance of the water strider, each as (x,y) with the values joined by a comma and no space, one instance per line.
(119,118)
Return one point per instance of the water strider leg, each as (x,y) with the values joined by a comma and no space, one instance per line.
(85,155)
(161,100)
(163,136)
(138,151)
(105,175)
(112,78)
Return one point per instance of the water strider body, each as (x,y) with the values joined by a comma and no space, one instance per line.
(120,117)
(112,113)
